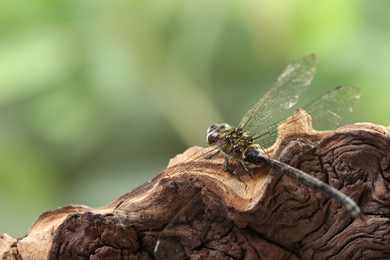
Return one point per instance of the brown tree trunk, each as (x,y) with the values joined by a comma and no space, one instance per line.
(195,209)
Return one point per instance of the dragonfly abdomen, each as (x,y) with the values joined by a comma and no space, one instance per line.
(256,157)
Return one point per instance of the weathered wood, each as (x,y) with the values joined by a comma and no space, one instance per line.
(267,216)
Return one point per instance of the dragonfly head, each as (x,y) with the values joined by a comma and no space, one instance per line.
(216,132)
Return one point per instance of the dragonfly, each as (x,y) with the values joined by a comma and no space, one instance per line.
(244,146)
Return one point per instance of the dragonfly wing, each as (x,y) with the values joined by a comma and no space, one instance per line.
(326,111)
(331,108)
(283,95)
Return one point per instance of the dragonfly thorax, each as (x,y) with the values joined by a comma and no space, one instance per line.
(232,141)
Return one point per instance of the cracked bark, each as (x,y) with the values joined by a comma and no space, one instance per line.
(267,216)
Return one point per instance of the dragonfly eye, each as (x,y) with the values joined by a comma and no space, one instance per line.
(214,132)
(212,128)
(224,126)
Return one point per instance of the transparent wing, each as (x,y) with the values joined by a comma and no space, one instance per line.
(326,111)
(332,107)
(283,95)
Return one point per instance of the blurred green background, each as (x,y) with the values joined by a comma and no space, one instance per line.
(97,96)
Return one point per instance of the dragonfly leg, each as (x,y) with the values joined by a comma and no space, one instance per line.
(227,167)
(247,170)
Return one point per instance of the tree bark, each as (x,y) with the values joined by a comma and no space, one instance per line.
(195,209)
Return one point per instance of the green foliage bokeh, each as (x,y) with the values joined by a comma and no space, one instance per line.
(96,96)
